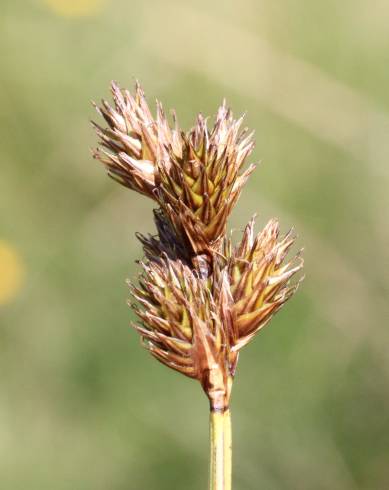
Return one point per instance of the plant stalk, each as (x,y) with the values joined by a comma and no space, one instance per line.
(221,453)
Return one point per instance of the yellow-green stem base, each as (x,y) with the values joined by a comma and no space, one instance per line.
(220,457)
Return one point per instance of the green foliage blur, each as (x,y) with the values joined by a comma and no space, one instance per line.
(82,406)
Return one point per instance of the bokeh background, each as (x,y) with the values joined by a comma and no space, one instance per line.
(82,406)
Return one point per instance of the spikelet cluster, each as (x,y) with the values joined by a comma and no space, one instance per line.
(200,298)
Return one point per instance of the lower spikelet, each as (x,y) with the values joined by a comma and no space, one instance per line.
(181,325)
(260,278)
(197,325)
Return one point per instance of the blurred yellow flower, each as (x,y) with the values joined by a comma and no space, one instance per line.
(75,8)
(11,272)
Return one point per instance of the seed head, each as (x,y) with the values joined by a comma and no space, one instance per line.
(200,299)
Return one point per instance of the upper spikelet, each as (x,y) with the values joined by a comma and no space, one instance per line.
(195,177)
(200,186)
(134,140)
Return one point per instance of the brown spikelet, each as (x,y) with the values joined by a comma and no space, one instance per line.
(182,327)
(133,141)
(165,242)
(260,278)
(201,185)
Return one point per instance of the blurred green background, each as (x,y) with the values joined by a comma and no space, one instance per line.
(82,406)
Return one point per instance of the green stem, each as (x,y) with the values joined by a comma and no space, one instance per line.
(220,457)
